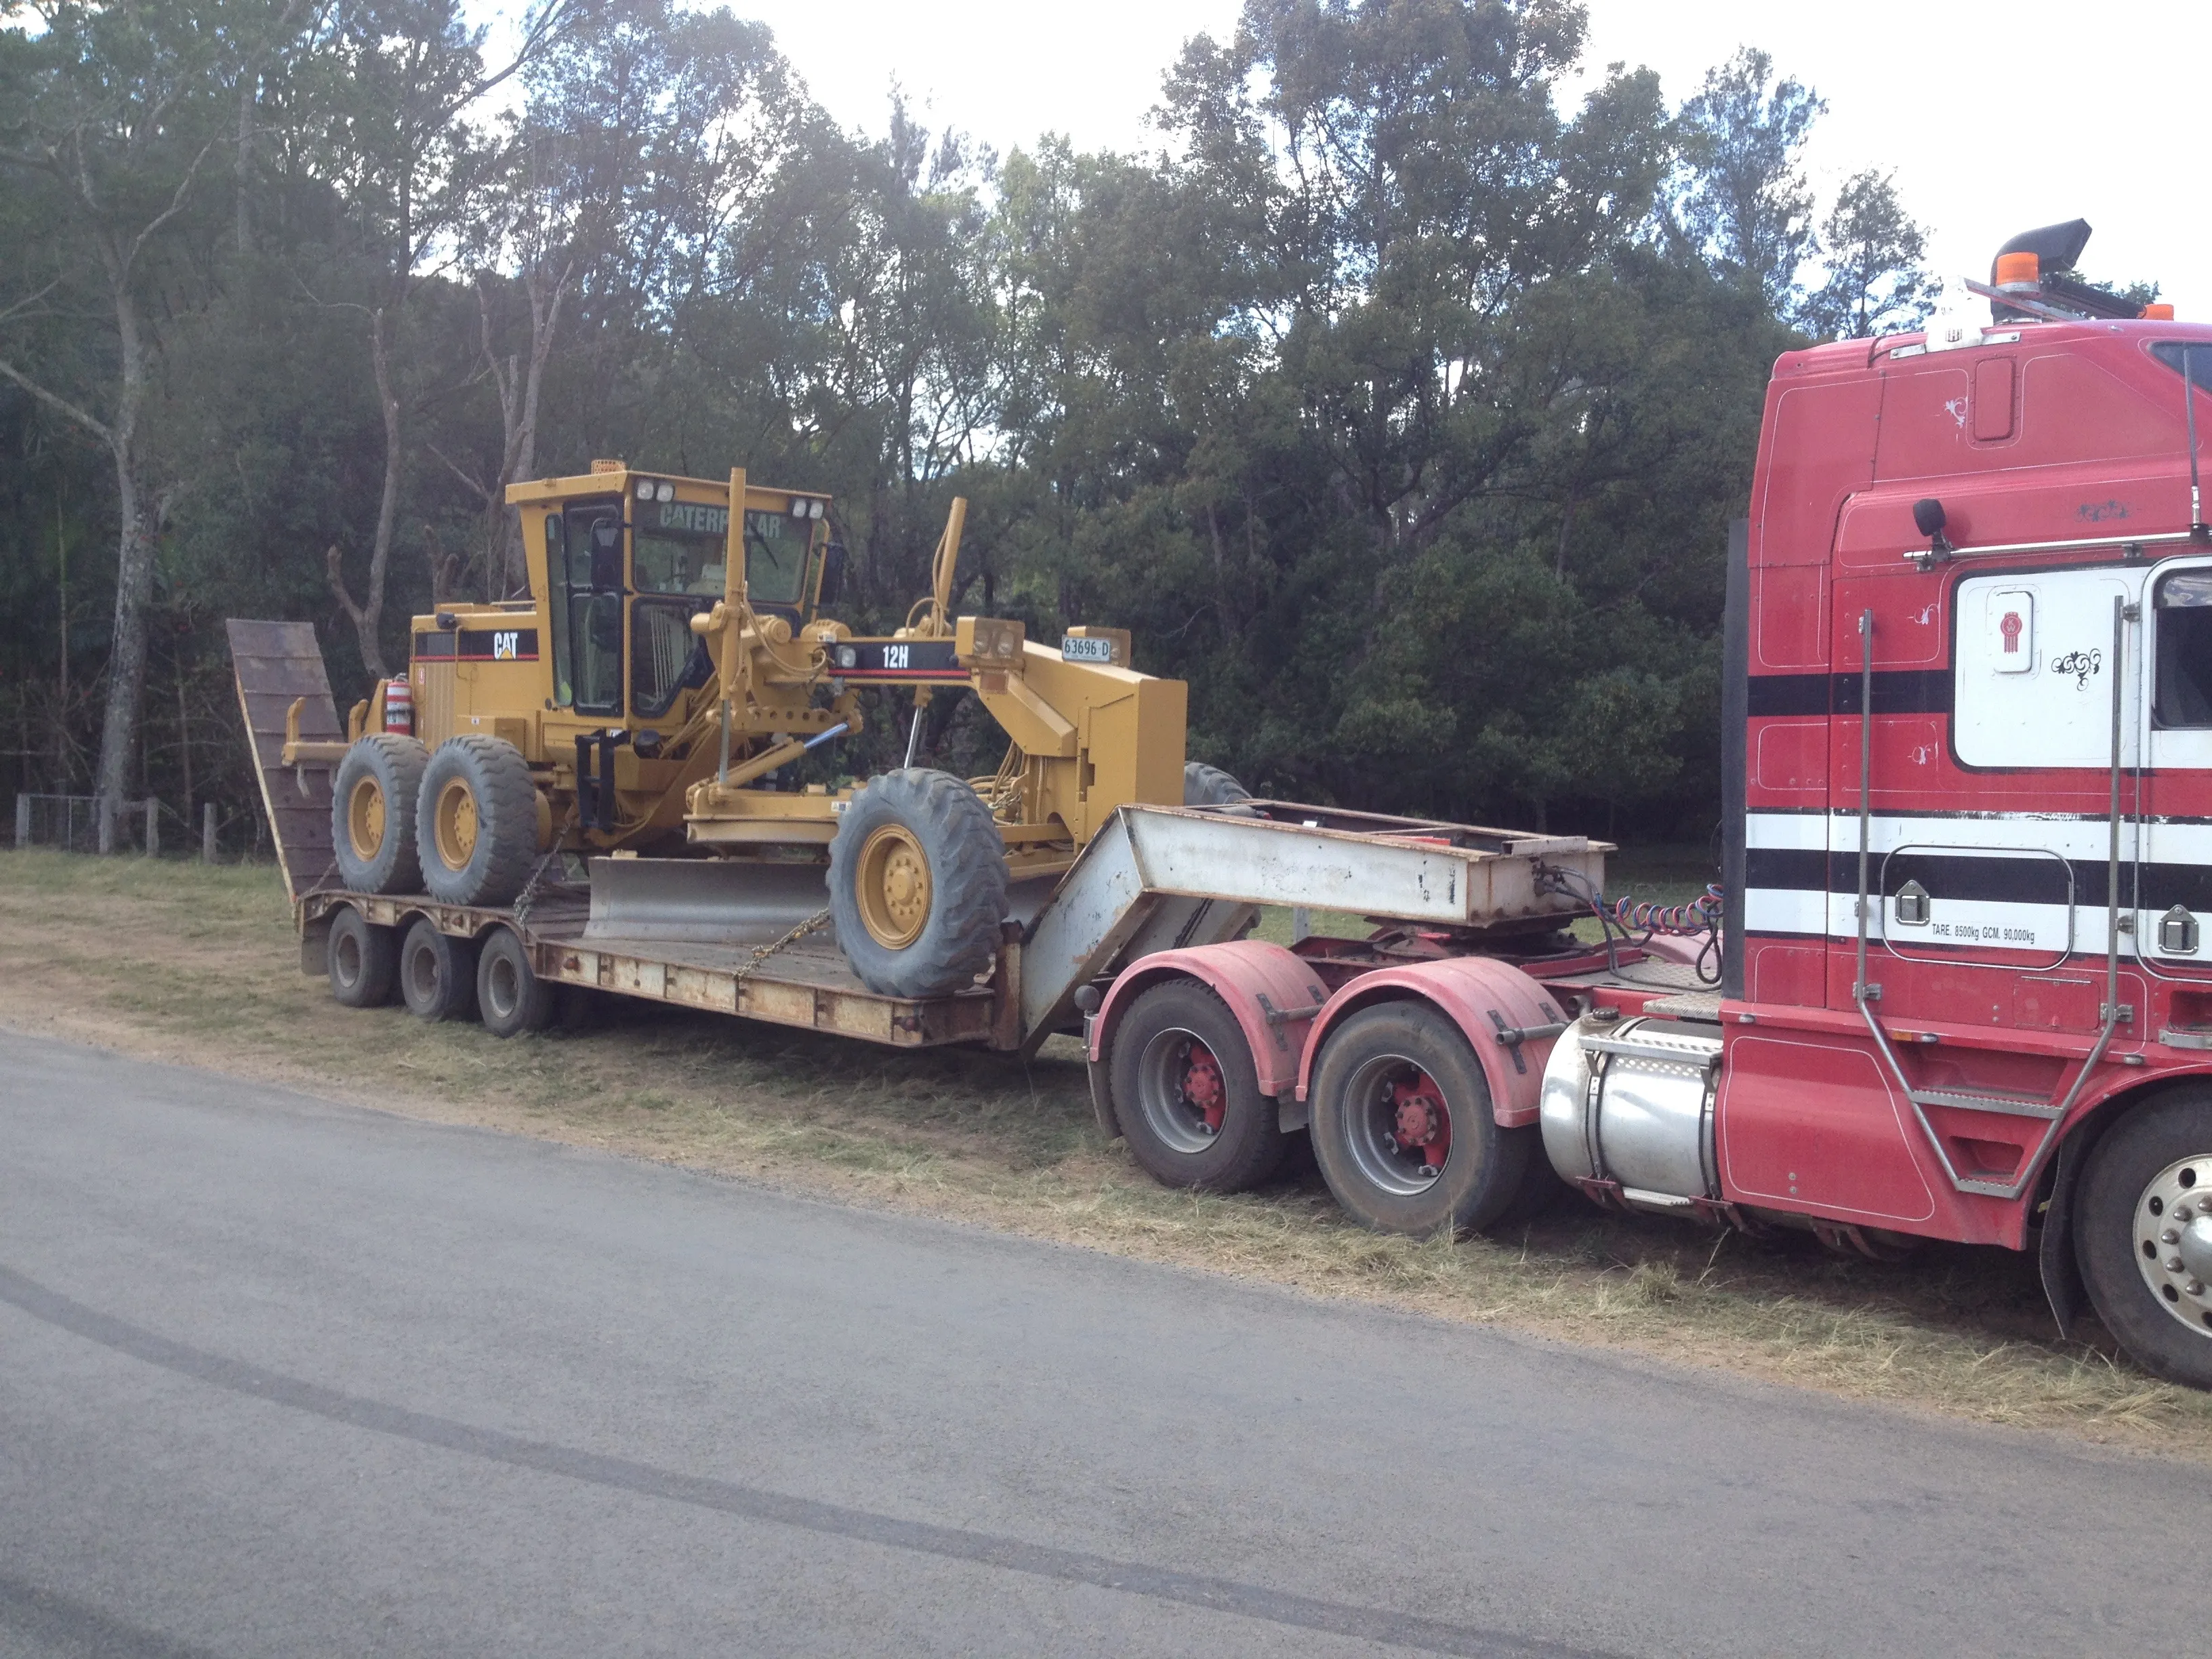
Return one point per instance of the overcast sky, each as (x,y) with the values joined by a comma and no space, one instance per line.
(1993,120)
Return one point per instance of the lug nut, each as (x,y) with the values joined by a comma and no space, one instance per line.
(2174,1264)
(2195,1287)
(2169,1236)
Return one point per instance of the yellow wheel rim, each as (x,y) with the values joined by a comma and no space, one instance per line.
(365,819)
(894,888)
(454,823)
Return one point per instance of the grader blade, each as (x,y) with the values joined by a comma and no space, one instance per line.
(701,901)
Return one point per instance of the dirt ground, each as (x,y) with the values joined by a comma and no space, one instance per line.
(176,962)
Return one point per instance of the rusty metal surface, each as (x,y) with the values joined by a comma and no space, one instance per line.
(274,664)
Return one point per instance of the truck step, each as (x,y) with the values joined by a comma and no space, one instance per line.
(1968,1101)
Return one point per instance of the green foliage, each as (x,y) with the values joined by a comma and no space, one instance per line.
(1396,400)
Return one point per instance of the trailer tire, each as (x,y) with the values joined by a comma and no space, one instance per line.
(373,814)
(918,884)
(1397,1088)
(437,972)
(2130,1231)
(1187,1094)
(476,821)
(510,996)
(1209,786)
(364,960)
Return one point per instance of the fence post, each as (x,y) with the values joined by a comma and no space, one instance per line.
(207,832)
(22,821)
(103,809)
(153,827)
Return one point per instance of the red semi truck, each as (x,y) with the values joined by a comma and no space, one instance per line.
(1964,986)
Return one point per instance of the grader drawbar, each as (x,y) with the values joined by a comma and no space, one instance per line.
(754,937)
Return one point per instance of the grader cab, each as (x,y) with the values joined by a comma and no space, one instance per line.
(649,697)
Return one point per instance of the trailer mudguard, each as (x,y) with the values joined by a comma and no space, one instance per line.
(1485,998)
(1271,991)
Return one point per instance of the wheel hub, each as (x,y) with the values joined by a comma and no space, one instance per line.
(2173,1240)
(894,887)
(455,825)
(1420,1123)
(1203,1088)
(365,819)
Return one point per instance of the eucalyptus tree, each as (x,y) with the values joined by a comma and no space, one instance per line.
(110,117)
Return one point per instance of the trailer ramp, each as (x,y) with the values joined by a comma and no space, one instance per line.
(276,664)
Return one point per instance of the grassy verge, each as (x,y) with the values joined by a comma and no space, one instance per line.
(176,962)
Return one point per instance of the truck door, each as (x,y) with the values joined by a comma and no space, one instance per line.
(2173,888)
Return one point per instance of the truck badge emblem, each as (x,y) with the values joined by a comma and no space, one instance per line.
(2010,628)
(502,646)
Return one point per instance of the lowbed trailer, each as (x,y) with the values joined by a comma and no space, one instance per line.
(1960,984)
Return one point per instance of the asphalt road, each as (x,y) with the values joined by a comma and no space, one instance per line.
(281,1377)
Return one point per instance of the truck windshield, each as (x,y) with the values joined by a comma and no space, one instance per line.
(776,558)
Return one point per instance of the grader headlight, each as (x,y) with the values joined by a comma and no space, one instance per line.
(987,643)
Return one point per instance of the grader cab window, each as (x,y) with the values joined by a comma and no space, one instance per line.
(593,543)
(775,560)
(2183,697)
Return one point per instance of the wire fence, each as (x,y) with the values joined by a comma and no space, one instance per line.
(148,828)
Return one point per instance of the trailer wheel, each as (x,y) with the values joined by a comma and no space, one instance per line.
(2143,1234)
(373,814)
(1209,786)
(364,960)
(510,996)
(437,972)
(476,821)
(1403,1128)
(918,884)
(1187,1094)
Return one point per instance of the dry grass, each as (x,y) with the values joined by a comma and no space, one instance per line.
(178,963)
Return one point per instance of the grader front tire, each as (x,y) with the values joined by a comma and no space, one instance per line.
(476,821)
(373,814)
(918,884)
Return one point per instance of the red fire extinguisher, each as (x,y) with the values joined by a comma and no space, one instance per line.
(399,707)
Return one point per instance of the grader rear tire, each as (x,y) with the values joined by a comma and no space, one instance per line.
(1209,786)
(476,820)
(373,814)
(918,884)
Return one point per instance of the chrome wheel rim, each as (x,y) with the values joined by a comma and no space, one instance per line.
(2173,1240)
(1397,1126)
(1182,1090)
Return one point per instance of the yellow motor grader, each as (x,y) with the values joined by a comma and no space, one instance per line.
(673,661)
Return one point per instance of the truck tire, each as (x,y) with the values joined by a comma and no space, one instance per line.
(2142,1233)
(437,972)
(1209,786)
(1187,1095)
(364,960)
(476,821)
(1402,1126)
(918,884)
(510,996)
(373,814)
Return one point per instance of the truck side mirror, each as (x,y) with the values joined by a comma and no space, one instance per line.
(833,573)
(606,556)
(1928,516)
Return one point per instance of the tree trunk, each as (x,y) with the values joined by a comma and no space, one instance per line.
(134,557)
(368,613)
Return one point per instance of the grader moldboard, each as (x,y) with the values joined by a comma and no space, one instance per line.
(671,661)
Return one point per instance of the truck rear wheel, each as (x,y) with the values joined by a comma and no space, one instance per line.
(510,996)
(437,972)
(373,814)
(364,960)
(918,884)
(1187,1095)
(1403,1128)
(2143,1234)
(476,821)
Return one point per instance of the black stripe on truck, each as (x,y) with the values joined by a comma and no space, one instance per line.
(480,645)
(1896,692)
(1989,878)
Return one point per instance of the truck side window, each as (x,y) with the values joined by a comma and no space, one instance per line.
(2182,695)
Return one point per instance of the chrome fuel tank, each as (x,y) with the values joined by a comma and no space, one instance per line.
(1631,1101)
